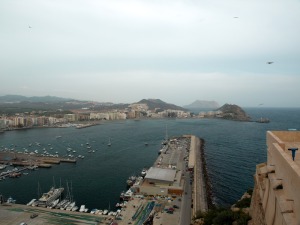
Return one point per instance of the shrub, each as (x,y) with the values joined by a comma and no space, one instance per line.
(243,219)
(243,203)
(225,217)
(250,191)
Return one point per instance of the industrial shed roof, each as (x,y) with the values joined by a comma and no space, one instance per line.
(160,174)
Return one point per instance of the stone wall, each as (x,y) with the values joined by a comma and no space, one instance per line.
(256,210)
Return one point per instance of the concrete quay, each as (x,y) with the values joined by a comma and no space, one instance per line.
(183,155)
(15,214)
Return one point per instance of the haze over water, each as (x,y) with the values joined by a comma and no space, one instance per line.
(232,150)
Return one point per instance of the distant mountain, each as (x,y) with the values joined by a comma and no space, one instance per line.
(157,103)
(20,98)
(233,112)
(202,104)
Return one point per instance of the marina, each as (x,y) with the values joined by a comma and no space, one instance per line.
(141,202)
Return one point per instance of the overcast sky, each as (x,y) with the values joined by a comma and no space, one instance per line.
(177,51)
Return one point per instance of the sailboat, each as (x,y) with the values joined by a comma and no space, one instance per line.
(165,141)
(109,142)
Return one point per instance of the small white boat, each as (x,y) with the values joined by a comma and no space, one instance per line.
(11,200)
(31,202)
(93,211)
(75,208)
(82,208)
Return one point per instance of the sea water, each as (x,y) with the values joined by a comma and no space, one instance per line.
(232,150)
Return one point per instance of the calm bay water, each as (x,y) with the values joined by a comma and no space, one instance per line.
(232,150)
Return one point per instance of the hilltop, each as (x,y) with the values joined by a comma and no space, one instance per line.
(157,103)
(233,112)
(202,104)
(21,98)
(20,104)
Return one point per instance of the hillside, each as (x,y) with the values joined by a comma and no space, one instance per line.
(20,98)
(10,104)
(202,104)
(157,103)
(233,112)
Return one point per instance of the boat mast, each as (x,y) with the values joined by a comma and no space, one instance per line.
(166,137)
(109,143)
(38,190)
(53,182)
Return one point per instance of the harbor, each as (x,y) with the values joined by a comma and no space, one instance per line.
(166,193)
(27,162)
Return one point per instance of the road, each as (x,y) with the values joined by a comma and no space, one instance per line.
(186,211)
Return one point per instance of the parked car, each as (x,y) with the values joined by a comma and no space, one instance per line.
(33,215)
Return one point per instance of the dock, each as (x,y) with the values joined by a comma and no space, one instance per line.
(27,162)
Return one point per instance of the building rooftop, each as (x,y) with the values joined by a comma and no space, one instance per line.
(287,140)
(160,174)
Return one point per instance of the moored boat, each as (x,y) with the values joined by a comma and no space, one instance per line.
(82,208)
(75,208)
(70,206)
(31,202)
(53,204)
(50,196)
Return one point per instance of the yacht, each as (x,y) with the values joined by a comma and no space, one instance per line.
(51,195)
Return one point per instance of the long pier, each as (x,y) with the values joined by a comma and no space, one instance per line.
(199,188)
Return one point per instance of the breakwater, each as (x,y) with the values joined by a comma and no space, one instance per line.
(208,185)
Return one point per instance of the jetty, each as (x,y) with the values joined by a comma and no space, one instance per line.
(28,160)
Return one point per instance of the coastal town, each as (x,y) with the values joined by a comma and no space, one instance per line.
(89,116)
(85,115)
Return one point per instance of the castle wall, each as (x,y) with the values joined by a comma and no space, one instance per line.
(277,183)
